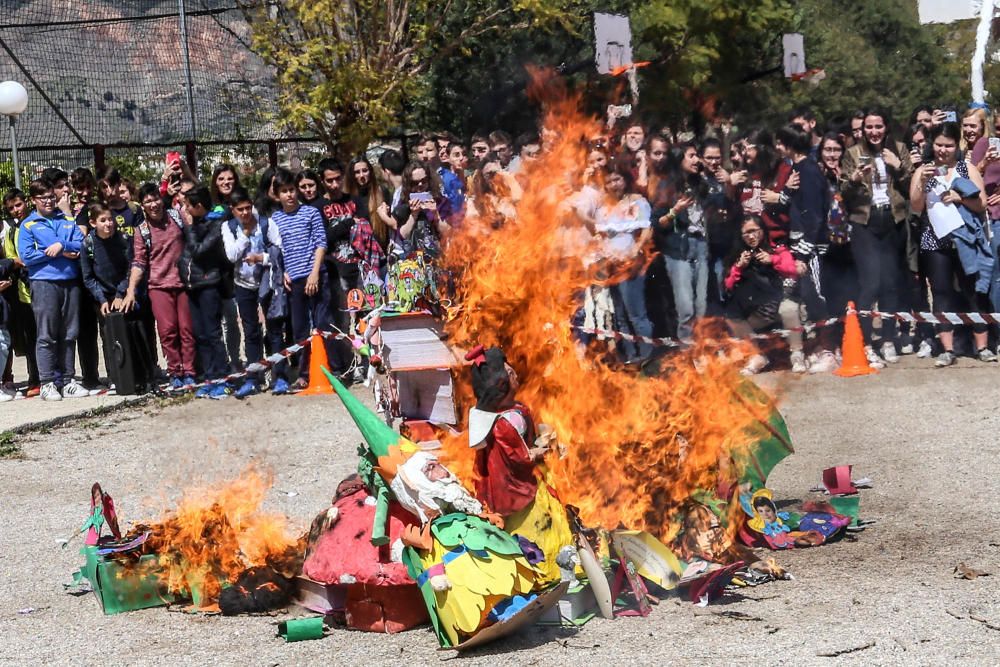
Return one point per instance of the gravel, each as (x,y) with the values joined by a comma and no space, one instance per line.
(926,436)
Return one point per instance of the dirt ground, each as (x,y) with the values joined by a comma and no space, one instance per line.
(926,436)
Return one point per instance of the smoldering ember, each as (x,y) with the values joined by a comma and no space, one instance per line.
(691,362)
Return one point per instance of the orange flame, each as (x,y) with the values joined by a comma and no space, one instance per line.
(636,447)
(215,533)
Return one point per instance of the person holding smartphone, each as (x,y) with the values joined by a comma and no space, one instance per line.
(421,213)
(986,157)
(957,255)
(874,178)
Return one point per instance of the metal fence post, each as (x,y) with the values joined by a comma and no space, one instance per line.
(272,154)
(98,159)
(191,153)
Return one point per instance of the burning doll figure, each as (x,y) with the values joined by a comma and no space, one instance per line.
(510,477)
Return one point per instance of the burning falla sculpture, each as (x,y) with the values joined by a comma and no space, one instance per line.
(470,572)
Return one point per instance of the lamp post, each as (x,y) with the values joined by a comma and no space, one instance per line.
(13,102)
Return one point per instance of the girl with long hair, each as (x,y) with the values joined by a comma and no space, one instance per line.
(874,179)
(756,276)
(361,184)
(954,186)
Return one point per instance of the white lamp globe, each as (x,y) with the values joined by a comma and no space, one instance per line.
(13,98)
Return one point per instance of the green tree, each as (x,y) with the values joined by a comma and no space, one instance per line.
(345,67)
(873,54)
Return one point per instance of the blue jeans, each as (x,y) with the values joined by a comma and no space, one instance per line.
(689,280)
(247,303)
(632,296)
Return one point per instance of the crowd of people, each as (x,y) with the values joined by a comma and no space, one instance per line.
(758,229)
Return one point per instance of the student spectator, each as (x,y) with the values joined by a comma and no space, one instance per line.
(529,147)
(495,194)
(421,214)
(479,147)
(253,246)
(224,181)
(722,226)
(451,171)
(923,115)
(857,129)
(975,122)
(8,278)
(874,178)
(368,196)
(807,232)
(806,119)
(22,317)
(61,188)
(203,265)
(84,193)
(157,248)
(503,146)
(987,161)
(426,149)
(765,184)
(838,276)
(960,256)
(756,273)
(308,182)
(680,214)
(49,245)
(443,140)
(623,221)
(303,245)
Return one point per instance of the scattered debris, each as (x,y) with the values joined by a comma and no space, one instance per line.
(986,622)
(963,571)
(845,651)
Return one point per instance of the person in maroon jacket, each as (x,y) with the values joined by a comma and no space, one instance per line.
(158,243)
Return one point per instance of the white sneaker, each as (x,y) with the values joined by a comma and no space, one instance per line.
(50,392)
(799,362)
(906,349)
(889,353)
(925,350)
(74,389)
(825,362)
(874,360)
(7,395)
(757,363)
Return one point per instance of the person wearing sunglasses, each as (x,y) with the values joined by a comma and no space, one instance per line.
(49,245)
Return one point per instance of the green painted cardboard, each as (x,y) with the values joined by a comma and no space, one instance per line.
(121,589)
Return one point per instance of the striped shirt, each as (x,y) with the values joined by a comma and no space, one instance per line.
(301,233)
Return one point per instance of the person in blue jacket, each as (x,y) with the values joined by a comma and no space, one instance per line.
(49,245)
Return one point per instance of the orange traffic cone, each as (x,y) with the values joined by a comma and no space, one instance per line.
(855,361)
(318,384)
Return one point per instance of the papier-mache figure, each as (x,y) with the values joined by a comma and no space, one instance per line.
(510,475)
(102,513)
(778,530)
(470,573)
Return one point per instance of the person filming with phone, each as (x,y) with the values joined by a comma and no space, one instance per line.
(874,178)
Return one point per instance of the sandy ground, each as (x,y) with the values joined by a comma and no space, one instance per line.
(926,436)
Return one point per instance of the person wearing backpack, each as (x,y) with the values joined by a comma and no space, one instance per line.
(251,245)
(156,249)
(203,268)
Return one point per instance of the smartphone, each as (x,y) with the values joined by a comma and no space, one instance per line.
(950,117)
(421,196)
(864,159)
(173,158)
(995,143)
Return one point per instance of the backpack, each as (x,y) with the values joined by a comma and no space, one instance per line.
(147,237)
(262,222)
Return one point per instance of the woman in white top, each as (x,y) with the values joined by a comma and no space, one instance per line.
(622,223)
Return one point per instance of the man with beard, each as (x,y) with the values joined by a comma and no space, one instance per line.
(720,215)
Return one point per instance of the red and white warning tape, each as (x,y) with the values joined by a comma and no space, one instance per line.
(911,317)
(262,364)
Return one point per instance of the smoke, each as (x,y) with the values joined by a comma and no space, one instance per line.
(979,56)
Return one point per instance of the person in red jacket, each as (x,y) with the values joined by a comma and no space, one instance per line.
(759,277)
(510,475)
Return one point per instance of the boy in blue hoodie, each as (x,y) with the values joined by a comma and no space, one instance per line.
(49,245)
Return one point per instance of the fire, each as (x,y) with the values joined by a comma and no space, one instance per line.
(636,447)
(216,533)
